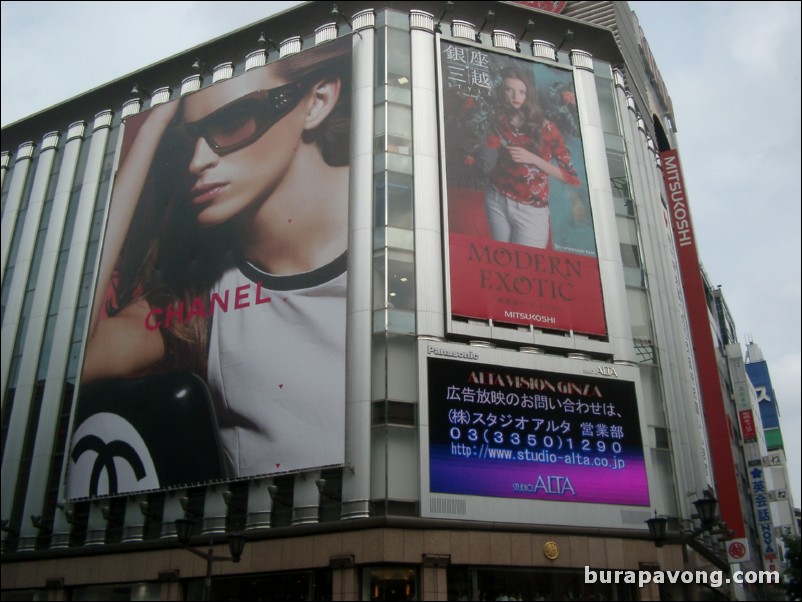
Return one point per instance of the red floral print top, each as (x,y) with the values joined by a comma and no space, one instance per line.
(522,182)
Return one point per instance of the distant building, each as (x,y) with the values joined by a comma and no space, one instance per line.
(774,462)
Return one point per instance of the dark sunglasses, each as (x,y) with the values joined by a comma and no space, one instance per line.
(243,121)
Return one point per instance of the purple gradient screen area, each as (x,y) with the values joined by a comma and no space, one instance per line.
(514,433)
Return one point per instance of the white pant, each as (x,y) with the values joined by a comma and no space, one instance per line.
(515,222)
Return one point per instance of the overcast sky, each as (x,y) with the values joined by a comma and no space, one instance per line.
(732,70)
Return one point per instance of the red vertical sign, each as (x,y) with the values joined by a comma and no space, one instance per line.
(747,420)
(704,350)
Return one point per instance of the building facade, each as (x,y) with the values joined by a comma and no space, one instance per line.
(776,501)
(467,374)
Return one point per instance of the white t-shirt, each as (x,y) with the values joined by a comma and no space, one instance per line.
(277,368)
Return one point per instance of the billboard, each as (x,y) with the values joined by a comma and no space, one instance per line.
(762,507)
(551,7)
(216,346)
(760,378)
(748,430)
(515,433)
(521,243)
(704,349)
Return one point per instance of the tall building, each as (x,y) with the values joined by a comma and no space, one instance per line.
(776,502)
(747,444)
(396,293)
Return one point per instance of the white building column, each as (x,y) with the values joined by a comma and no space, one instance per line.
(13,200)
(68,304)
(12,321)
(611,268)
(679,387)
(25,254)
(356,475)
(32,346)
(429,285)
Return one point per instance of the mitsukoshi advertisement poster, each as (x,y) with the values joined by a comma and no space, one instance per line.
(531,434)
(521,244)
(216,345)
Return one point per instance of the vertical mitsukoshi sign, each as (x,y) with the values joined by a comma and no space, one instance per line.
(716,420)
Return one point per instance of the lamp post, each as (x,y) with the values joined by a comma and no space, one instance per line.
(236,544)
(706,510)
(657,529)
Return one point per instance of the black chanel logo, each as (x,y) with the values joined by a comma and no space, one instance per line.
(106,452)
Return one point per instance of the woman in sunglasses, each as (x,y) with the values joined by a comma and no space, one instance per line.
(225,256)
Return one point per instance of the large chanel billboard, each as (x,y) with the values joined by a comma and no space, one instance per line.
(217,339)
(521,243)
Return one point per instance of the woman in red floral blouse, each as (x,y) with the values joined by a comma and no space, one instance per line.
(530,149)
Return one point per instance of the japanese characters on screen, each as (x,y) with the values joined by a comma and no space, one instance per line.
(515,433)
(521,243)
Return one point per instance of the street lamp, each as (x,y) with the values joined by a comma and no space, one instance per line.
(657,529)
(236,545)
(706,510)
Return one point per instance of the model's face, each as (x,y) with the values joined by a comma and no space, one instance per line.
(245,132)
(514,92)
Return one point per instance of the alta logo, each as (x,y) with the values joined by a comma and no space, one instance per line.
(601,370)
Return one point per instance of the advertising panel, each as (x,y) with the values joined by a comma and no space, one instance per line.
(521,243)
(748,430)
(760,378)
(704,350)
(217,339)
(738,550)
(530,434)
(548,6)
(762,507)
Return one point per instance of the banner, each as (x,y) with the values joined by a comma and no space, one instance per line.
(216,347)
(521,241)
(704,349)
(748,429)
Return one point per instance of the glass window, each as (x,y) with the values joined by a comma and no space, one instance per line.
(630,255)
(396,413)
(624,207)
(401,321)
(398,57)
(47,343)
(16,238)
(138,591)
(627,230)
(36,261)
(607,105)
(633,274)
(378,63)
(393,200)
(400,280)
(402,364)
(390,583)
(399,129)
(619,179)
(399,200)
(639,315)
(537,584)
